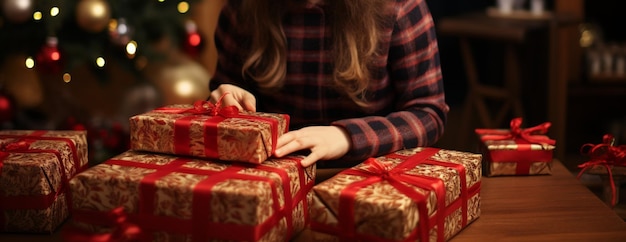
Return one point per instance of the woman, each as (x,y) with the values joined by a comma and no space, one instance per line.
(359,78)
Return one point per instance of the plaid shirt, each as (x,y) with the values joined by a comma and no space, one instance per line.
(406,93)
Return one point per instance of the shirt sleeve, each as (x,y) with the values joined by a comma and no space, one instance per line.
(229,44)
(415,73)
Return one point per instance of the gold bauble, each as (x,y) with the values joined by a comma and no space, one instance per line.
(93,15)
(18,11)
(21,83)
(180,83)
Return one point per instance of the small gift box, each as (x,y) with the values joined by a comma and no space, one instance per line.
(606,159)
(424,194)
(170,198)
(207,130)
(517,151)
(35,168)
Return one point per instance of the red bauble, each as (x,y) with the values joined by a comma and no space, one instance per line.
(6,108)
(193,42)
(49,58)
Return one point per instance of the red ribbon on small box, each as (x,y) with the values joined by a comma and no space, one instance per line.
(219,114)
(605,154)
(22,145)
(527,136)
(398,178)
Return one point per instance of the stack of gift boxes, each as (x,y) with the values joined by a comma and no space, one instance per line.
(204,172)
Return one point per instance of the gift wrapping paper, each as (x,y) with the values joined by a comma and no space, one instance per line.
(516,151)
(35,168)
(172,198)
(206,131)
(420,194)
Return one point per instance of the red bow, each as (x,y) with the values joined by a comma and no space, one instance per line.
(532,134)
(123,230)
(606,154)
(208,108)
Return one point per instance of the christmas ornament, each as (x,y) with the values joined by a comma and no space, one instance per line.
(17,11)
(193,41)
(49,58)
(93,15)
(22,83)
(6,108)
(139,98)
(180,82)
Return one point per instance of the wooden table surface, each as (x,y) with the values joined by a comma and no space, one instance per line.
(556,207)
(542,208)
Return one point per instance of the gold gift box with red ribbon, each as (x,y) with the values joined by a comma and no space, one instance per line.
(159,197)
(35,168)
(424,194)
(517,151)
(209,131)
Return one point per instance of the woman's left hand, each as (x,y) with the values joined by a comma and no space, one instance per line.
(325,143)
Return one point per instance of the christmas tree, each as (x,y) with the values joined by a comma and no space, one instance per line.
(90,64)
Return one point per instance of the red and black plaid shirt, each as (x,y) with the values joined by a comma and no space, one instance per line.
(406,93)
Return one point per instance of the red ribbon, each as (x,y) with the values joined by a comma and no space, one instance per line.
(123,229)
(219,114)
(38,201)
(200,226)
(398,178)
(605,154)
(529,135)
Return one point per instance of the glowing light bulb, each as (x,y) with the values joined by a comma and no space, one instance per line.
(100,62)
(30,62)
(67,77)
(54,11)
(37,15)
(131,47)
(183,7)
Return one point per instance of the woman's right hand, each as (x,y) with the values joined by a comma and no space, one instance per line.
(237,97)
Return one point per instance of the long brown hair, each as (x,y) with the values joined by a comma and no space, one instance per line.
(356,32)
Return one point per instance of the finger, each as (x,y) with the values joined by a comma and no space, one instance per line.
(249,102)
(292,146)
(310,159)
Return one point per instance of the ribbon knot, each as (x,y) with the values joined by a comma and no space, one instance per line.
(208,108)
(532,134)
(605,154)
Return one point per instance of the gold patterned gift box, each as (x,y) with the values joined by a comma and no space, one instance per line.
(207,130)
(172,198)
(35,168)
(424,194)
(517,151)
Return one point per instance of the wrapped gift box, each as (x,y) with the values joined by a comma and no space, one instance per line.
(424,194)
(202,130)
(35,168)
(174,198)
(516,151)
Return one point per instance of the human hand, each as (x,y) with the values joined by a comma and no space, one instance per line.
(325,143)
(238,97)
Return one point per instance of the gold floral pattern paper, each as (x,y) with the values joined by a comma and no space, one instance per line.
(172,198)
(384,212)
(514,157)
(248,137)
(35,169)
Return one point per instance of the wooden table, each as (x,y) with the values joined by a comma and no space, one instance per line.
(534,208)
(542,208)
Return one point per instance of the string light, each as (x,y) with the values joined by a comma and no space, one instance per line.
(183,7)
(100,62)
(54,11)
(131,48)
(30,62)
(37,15)
(67,77)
